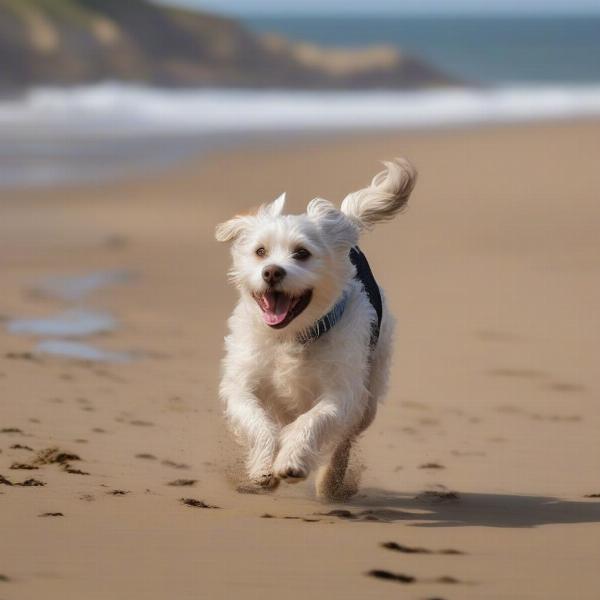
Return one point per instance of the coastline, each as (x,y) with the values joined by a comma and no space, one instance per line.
(492,275)
(97,133)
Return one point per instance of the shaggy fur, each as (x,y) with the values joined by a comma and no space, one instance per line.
(298,407)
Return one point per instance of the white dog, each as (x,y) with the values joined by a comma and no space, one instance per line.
(310,342)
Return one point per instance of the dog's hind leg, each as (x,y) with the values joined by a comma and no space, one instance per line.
(333,481)
(330,481)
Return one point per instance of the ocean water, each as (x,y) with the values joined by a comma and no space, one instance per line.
(517,70)
(488,50)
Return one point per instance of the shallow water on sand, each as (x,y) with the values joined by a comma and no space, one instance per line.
(79,351)
(78,287)
(71,323)
(75,322)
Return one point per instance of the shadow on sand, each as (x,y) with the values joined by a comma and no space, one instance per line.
(483,510)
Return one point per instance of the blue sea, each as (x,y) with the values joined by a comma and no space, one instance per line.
(489,50)
(514,70)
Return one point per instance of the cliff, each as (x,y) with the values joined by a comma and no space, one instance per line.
(66,42)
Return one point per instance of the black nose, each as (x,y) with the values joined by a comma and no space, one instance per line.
(273,274)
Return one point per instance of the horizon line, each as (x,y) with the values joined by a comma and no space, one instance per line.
(359,12)
(449,15)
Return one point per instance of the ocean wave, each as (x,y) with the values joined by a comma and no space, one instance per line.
(101,132)
(115,109)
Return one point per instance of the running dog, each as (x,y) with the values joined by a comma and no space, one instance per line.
(310,339)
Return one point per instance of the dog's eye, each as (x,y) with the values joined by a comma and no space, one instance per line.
(261,251)
(301,254)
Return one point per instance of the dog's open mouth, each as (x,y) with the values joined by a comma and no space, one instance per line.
(279,309)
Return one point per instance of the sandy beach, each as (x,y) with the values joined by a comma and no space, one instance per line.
(480,469)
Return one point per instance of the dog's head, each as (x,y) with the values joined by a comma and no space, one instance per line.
(291,269)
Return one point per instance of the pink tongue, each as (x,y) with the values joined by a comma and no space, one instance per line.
(276,307)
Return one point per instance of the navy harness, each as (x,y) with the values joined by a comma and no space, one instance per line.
(365,276)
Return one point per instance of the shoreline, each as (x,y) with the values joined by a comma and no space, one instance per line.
(98,133)
(205,148)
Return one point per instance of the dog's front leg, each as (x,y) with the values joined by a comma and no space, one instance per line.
(251,422)
(300,442)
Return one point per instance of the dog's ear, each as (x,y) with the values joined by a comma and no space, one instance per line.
(274,208)
(230,230)
(339,229)
(319,208)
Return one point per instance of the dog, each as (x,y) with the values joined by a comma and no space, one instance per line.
(310,339)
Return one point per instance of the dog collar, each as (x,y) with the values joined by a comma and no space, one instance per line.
(325,323)
(365,276)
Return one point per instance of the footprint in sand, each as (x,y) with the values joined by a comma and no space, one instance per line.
(183,482)
(23,466)
(146,456)
(141,423)
(417,550)
(408,579)
(289,517)
(364,515)
(26,483)
(196,503)
(389,576)
(22,356)
(56,456)
(560,386)
(21,447)
(556,418)
(174,465)
(431,465)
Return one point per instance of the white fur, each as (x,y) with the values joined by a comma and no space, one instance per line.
(385,197)
(298,407)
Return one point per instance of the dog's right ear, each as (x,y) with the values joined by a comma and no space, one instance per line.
(274,208)
(230,230)
(341,230)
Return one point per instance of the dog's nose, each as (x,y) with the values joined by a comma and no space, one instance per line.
(273,274)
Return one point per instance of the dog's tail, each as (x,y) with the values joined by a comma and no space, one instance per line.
(385,197)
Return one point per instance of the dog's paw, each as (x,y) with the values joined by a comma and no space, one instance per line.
(291,471)
(291,463)
(293,474)
(265,481)
(259,484)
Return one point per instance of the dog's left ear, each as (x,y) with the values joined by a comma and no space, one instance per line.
(274,208)
(341,230)
(230,230)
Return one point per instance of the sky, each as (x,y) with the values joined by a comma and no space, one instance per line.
(347,7)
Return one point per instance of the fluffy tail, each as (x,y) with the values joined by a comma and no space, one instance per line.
(385,197)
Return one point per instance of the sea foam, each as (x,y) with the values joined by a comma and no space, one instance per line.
(116,109)
(100,132)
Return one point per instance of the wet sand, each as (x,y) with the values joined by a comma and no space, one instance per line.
(478,468)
